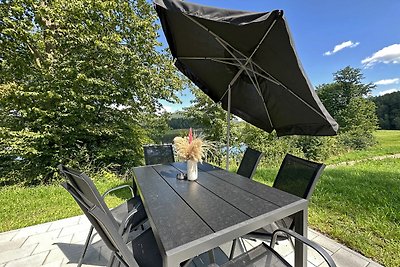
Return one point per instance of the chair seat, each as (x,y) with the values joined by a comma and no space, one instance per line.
(120,212)
(260,256)
(145,250)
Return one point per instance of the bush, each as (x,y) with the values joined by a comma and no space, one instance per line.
(318,148)
(356,139)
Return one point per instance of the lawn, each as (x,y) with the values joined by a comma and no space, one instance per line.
(358,205)
(388,144)
(25,206)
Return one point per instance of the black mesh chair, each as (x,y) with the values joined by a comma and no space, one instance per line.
(119,215)
(158,154)
(249,163)
(141,251)
(296,176)
(264,255)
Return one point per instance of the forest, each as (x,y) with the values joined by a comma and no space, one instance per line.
(388,110)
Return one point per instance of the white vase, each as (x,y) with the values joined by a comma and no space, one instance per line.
(191,170)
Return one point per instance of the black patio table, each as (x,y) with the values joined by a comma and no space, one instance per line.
(192,217)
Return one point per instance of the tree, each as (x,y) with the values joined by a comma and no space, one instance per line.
(208,115)
(388,111)
(346,100)
(80,81)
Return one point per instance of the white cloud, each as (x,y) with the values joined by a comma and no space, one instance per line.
(168,108)
(341,46)
(388,91)
(388,54)
(164,108)
(387,81)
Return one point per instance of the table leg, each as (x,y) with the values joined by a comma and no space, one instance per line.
(301,225)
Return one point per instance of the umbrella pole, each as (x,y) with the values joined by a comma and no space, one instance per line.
(228,128)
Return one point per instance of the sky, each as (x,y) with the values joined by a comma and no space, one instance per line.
(330,35)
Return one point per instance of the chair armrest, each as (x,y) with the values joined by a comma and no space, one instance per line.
(118,188)
(306,241)
(124,225)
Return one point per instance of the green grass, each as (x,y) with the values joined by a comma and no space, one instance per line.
(388,144)
(357,205)
(25,206)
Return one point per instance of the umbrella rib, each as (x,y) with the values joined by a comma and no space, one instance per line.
(257,86)
(249,59)
(225,44)
(215,35)
(210,58)
(276,81)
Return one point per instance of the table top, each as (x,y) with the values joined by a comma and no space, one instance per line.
(191,217)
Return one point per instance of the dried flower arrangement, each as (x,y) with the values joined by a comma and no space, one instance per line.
(191,148)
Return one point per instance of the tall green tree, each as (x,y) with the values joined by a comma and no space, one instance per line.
(388,110)
(211,117)
(347,101)
(80,80)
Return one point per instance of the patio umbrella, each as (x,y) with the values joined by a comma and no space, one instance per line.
(246,61)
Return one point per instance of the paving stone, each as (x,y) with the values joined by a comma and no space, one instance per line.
(314,257)
(56,263)
(64,222)
(52,244)
(83,220)
(290,259)
(56,255)
(345,258)
(357,254)
(374,264)
(46,237)
(32,230)
(79,237)
(10,245)
(62,242)
(7,236)
(73,229)
(284,248)
(31,261)
(15,254)
(328,244)
(311,234)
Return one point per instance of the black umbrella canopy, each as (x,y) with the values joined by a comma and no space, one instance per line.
(252,54)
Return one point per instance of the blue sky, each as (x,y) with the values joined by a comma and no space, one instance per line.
(330,35)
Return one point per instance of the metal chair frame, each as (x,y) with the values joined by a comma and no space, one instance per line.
(72,174)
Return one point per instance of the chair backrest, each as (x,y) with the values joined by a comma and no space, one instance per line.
(85,185)
(298,176)
(249,162)
(104,225)
(158,154)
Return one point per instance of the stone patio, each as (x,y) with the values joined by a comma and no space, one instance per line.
(60,243)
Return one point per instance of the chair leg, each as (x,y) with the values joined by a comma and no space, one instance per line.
(211,255)
(241,242)
(88,241)
(233,249)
